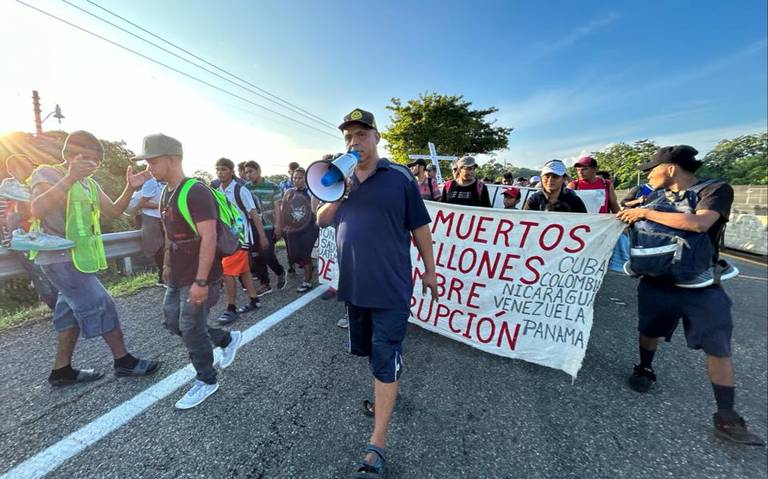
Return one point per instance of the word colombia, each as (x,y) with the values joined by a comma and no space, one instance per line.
(519,284)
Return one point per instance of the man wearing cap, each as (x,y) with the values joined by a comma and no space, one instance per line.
(192,271)
(553,195)
(383,209)
(465,189)
(586,169)
(427,186)
(68,202)
(706,311)
(511,197)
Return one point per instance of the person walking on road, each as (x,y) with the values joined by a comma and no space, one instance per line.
(373,239)
(553,195)
(68,202)
(464,188)
(300,226)
(192,271)
(152,237)
(586,169)
(238,265)
(269,195)
(706,311)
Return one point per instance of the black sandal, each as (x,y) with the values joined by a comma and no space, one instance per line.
(83,376)
(363,470)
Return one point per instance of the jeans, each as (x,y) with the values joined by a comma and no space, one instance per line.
(191,323)
(45,290)
(266,258)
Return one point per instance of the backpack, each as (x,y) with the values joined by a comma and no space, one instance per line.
(660,251)
(256,202)
(230,228)
(449,184)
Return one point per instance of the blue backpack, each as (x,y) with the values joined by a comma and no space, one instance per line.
(663,252)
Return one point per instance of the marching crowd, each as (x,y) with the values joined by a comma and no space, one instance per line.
(206,239)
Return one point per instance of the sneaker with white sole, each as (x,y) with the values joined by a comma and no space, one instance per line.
(36,240)
(263,289)
(343,322)
(707,278)
(228,353)
(304,287)
(198,393)
(11,189)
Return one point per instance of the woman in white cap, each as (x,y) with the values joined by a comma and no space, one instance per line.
(553,195)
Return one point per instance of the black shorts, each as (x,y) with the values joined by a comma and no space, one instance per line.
(706,315)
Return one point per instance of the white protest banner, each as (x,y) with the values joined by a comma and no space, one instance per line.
(327,271)
(519,284)
(593,199)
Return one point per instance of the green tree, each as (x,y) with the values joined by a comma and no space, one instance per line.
(276,179)
(740,161)
(445,120)
(621,160)
(203,175)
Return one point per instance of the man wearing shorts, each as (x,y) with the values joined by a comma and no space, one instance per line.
(84,308)
(706,312)
(373,239)
(238,265)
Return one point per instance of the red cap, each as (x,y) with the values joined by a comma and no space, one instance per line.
(511,191)
(586,161)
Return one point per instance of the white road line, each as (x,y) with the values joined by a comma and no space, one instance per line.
(49,459)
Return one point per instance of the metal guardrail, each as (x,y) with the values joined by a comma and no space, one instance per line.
(116,245)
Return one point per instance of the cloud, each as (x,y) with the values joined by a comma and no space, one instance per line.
(542,50)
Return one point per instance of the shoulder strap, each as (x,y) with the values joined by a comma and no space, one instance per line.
(703,184)
(239,200)
(181,203)
(431,188)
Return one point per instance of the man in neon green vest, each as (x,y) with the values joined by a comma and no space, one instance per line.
(69,203)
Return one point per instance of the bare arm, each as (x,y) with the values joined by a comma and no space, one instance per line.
(699,222)
(146,202)
(613,203)
(327,213)
(113,209)
(422,236)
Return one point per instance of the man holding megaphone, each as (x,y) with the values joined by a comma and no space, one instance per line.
(379,209)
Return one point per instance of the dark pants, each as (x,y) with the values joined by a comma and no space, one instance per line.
(266,258)
(191,323)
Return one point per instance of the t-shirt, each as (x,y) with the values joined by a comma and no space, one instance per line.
(429,189)
(54,221)
(268,193)
(152,189)
(285,185)
(466,195)
(716,197)
(373,238)
(186,252)
(598,184)
(567,202)
(247,201)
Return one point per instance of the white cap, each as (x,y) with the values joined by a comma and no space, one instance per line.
(555,167)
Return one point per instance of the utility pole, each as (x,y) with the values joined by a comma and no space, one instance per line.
(36,107)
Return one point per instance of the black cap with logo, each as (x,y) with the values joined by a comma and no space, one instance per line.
(362,117)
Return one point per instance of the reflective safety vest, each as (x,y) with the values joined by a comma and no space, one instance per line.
(84,229)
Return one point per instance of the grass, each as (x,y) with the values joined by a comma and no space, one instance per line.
(117,286)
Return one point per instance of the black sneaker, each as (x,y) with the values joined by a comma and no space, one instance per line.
(642,379)
(732,427)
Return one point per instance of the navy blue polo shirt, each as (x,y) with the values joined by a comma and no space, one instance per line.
(373,238)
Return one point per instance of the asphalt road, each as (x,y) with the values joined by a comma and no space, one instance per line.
(290,405)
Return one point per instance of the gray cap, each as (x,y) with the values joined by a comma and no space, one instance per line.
(159,145)
(465,161)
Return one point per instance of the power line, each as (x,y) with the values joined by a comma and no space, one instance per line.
(192,77)
(286,102)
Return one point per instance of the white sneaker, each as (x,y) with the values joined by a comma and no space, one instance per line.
(343,322)
(198,393)
(228,354)
(13,190)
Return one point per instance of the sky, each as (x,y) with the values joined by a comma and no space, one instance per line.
(569,77)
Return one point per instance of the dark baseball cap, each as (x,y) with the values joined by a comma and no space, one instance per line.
(682,155)
(359,116)
(420,161)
